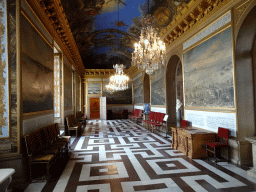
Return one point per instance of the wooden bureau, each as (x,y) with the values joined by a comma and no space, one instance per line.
(189,140)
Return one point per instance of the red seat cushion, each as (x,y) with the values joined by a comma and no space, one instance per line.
(184,123)
(215,144)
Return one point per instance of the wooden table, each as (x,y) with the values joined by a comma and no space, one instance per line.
(189,140)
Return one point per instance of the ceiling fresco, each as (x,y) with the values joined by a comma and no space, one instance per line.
(106,36)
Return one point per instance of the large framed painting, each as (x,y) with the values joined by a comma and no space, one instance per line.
(4,80)
(94,88)
(67,87)
(209,73)
(37,70)
(138,91)
(118,97)
(158,87)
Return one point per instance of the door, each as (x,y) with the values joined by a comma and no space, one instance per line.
(94,108)
(103,108)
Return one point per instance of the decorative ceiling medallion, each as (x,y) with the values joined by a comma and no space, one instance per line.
(162,16)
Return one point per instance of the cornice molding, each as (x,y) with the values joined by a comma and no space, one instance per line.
(98,73)
(196,12)
(106,73)
(52,15)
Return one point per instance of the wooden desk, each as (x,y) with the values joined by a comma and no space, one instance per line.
(189,140)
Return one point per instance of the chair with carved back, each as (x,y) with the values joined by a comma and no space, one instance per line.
(220,141)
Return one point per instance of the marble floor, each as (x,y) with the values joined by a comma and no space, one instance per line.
(119,155)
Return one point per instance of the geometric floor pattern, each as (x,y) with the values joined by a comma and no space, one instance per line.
(119,155)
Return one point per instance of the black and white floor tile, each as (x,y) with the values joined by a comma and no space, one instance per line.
(119,155)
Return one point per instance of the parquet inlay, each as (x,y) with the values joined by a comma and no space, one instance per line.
(119,155)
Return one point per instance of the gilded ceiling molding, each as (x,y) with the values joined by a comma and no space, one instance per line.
(190,16)
(96,73)
(106,73)
(52,15)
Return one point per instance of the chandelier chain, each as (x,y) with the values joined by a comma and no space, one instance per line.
(119,81)
(149,53)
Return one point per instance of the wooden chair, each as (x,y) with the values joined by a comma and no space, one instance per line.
(34,146)
(155,120)
(138,115)
(159,123)
(80,117)
(130,116)
(150,118)
(220,141)
(72,124)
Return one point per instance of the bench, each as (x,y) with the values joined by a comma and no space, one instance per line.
(44,147)
(73,125)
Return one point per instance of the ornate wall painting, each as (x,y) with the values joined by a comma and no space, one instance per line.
(138,91)
(118,97)
(4,90)
(208,73)
(158,87)
(94,88)
(37,70)
(67,87)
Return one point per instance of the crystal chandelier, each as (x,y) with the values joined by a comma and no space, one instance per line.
(110,88)
(150,51)
(119,81)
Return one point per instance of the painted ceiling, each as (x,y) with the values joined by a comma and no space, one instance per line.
(106,30)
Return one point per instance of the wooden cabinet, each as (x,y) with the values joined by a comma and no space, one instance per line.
(189,140)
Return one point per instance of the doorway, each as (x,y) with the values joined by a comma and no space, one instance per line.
(146,88)
(179,92)
(172,73)
(94,108)
(245,74)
